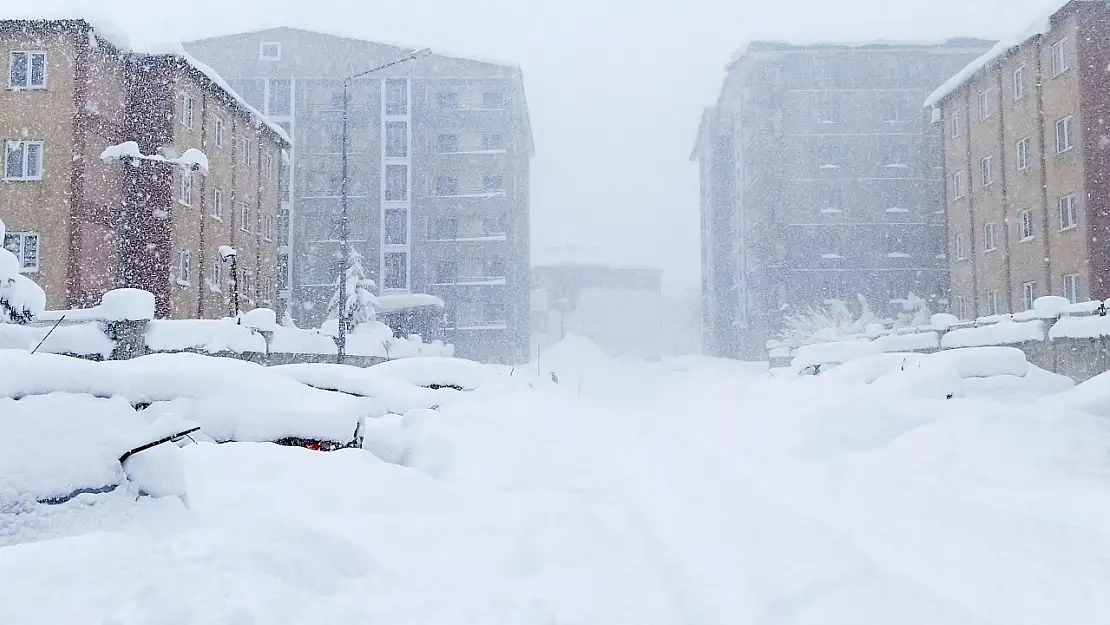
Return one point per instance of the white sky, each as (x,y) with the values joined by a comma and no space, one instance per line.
(616,87)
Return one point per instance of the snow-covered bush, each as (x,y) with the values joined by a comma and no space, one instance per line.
(20,298)
(361,301)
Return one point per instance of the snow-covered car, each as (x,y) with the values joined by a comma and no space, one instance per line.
(436,372)
(392,394)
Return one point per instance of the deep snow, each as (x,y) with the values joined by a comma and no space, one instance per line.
(692,492)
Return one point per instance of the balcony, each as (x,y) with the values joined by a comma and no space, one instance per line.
(468,280)
(468,237)
(476,324)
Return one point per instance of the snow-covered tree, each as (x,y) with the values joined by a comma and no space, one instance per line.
(20,298)
(361,301)
(915,312)
(833,322)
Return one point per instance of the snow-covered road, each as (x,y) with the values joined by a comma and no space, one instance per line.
(703,494)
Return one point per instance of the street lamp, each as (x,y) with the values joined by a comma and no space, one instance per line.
(344,225)
(228,253)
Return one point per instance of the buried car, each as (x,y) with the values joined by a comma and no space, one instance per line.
(391,394)
(435,372)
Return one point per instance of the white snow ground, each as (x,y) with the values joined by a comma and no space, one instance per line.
(692,492)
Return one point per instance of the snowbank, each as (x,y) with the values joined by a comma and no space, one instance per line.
(396,395)
(1002,333)
(115,305)
(908,342)
(467,375)
(832,353)
(1089,327)
(209,335)
(1092,396)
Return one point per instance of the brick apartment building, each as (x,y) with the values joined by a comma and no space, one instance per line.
(1025,157)
(81,225)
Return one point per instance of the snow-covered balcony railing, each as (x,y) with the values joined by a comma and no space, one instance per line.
(472,236)
(473,280)
(478,194)
(477,324)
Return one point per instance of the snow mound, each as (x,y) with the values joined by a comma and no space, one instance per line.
(395,395)
(832,353)
(1001,333)
(463,374)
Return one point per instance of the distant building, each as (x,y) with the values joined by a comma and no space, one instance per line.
(1025,154)
(439,155)
(81,226)
(619,309)
(820,179)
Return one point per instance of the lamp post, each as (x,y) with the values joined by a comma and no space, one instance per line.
(344,225)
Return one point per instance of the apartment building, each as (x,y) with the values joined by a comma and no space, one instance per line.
(439,153)
(81,225)
(1026,130)
(821,179)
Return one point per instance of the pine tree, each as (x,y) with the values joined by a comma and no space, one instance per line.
(361,301)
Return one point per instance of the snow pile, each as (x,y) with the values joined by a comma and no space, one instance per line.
(1092,396)
(401,301)
(832,353)
(191,159)
(465,375)
(908,342)
(85,339)
(115,305)
(395,395)
(1089,327)
(207,335)
(1002,333)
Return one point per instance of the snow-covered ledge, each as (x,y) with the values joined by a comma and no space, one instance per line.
(192,159)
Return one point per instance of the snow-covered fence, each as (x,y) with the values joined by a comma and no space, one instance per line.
(1070,339)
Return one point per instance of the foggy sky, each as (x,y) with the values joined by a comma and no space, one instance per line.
(615,87)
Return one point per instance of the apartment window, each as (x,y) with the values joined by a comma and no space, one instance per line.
(1064,135)
(493,100)
(1019,83)
(1029,294)
(445,272)
(828,109)
(960,246)
(188,110)
(396,227)
(248,151)
(992,302)
(396,270)
(1025,225)
(396,139)
(1023,154)
(493,225)
(183,267)
(396,96)
(1066,208)
(986,168)
(244,217)
(959,188)
(447,185)
(185,188)
(1071,287)
(25,247)
(984,105)
(447,100)
(493,141)
(447,144)
(495,268)
(396,183)
(447,228)
(23,160)
(989,237)
(892,111)
(1059,57)
(247,286)
(216,209)
(268,227)
(218,133)
(27,70)
(956,127)
(269,51)
(493,183)
(217,276)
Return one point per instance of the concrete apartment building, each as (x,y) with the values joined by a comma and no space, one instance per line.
(821,179)
(1028,187)
(439,153)
(81,226)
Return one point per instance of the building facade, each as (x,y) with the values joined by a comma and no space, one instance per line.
(438,153)
(1028,185)
(820,179)
(81,225)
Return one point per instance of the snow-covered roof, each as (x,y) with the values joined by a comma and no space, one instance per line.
(102,27)
(1000,50)
(778,44)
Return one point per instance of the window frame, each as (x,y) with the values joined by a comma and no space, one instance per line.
(1068,200)
(1019,83)
(185,188)
(25,160)
(956,130)
(216,210)
(1021,150)
(188,110)
(984,105)
(1059,51)
(216,279)
(184,268)
(386,239)
(31,54)
(1066,123)
(386,284)
(990,236)
(960,246)
(959,188)
(21,253)
(992,302)
(388,144)
(262,56)
(986,170)
(1025,218)
(244,216)
(1029,294)
(1073,279)
(218,132)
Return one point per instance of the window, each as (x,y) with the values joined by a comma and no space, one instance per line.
(957,124)
(958,187)
(961,309)
(395,231)
(447,144)
(185,188)
(1066,207)
(396,270)
(396,139)
(447,185)
(23,160)
(216,209)
(447,228)
(267,227)
(1063,135)
(269,51)
(989,237)
(493,100)
(1029,294)
(218,133)
(447,100)
(493,225)
(244,217)
(25,247)
(1023,154)
(397,96)
(28,70)
(183,261)
(248,151)
(892,111)
(493,183)
(1025,225)
(1059,57)
(984,105)
(960,246)
(828,109)
(992,302)
(445,272)
(267,293)
(247,284)
(396,183)
(1019,83)
(1071,287)
(188,110)
(279,98)
(986,167)
(493,141)
(217,276)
